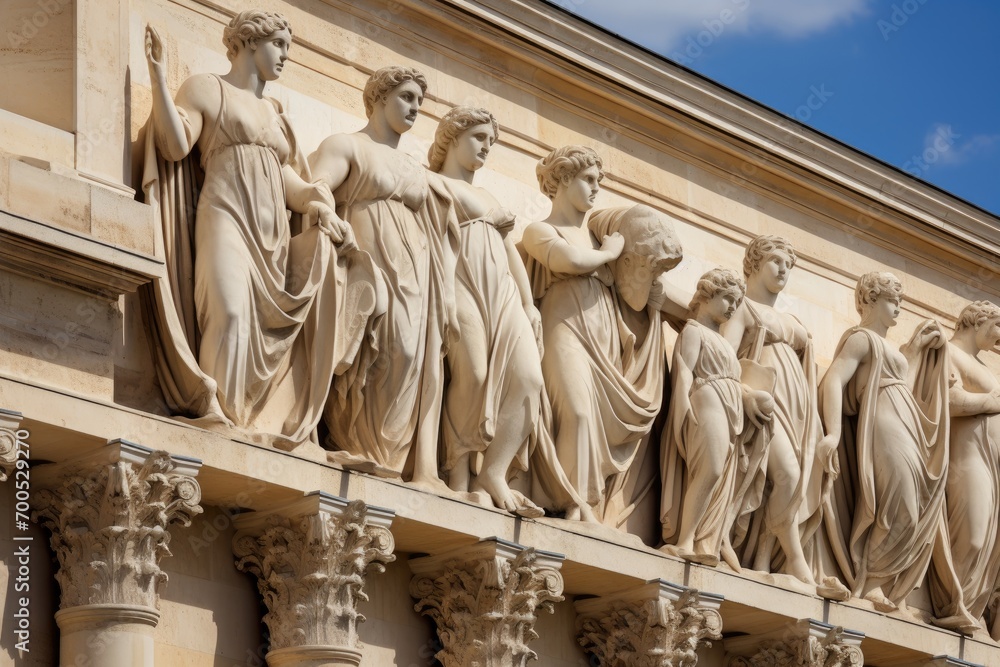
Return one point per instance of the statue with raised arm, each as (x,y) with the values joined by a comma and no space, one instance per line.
(700,454)
(492,423)
(966,574)
(596,282)
(384,413)
(885,415)
(236,322)
(790,489)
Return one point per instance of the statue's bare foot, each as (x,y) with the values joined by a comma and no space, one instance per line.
(506,498)
(525,507)
(689,554)
(881,602)
(832,589)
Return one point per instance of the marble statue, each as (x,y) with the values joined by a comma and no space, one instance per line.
(792,488)
(236,324)
(597,283)
(967,574)
(885,417)
(708,405)
(383,413)
(492,400)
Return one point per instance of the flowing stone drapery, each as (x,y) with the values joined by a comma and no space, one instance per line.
(485,599)
(656,624)
(109,512)
(311,558)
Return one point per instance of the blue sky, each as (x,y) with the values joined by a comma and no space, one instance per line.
(915,83)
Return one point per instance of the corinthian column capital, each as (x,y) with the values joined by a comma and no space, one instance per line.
(806,643)
(485,599)
(656,624)
(311,558)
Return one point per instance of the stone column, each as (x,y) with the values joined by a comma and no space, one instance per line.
(310,558)
(9,423)
(806,643)
(484,599)
(109,513)
(656,624)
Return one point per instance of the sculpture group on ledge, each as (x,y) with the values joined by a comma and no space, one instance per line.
(381,308)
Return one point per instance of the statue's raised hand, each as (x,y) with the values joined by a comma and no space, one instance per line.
(154,54)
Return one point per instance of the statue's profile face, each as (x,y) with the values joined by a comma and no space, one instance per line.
(886,309)
(401,105)
(988,334)
(472,146)
(582,189)
(720,308)
(270,54)
(774,270)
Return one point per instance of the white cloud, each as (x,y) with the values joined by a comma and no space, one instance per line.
(666,25)
(946,147)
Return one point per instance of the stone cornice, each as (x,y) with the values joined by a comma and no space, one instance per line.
(674,99)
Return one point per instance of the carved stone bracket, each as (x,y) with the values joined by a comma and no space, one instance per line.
(310,558)
(109,512)
(9,423)
(485,598)
(806,643)
(657,624)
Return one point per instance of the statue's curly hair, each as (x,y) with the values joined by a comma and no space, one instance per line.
(977,313)
(762,247)
(565,163)
(873,285)
(714,282)
(384,80)
(454,123)
(248,27)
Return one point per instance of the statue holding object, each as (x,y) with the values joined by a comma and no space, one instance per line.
(708,406)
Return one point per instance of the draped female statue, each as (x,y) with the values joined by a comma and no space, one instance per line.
(237,321)
(700,454)
(494,422)
(604,364)
(885,414)
(795,489)
(966,574)
(383,413)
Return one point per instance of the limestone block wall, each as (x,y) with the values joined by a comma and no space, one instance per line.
(75,245)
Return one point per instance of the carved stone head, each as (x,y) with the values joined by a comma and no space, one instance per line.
(563,164)
(715,282)
(248,27)
(984,317)
(454,123)
(382,81)
(873,286)
(651,248)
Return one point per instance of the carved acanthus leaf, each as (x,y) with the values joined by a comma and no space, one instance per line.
(109,526)
(311,572)
(655,632)
(804,651)
(9,422)
(485,607)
